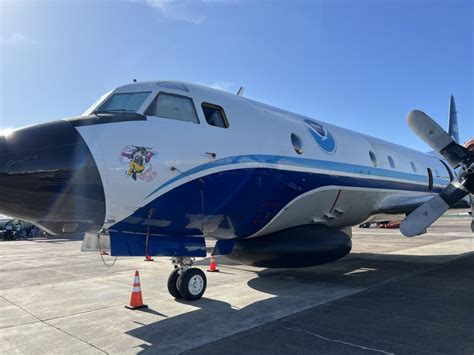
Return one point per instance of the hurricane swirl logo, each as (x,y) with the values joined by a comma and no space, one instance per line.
(322,136)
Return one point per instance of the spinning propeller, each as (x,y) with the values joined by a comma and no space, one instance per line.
(457,156)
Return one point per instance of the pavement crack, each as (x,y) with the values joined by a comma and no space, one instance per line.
(339,341)
(53,326)
(16,325)
(85,312)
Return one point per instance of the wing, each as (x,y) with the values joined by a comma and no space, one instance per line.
(403,203)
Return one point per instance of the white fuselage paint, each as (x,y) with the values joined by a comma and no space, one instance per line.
(254,129)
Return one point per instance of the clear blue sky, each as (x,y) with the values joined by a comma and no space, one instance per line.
(358,64)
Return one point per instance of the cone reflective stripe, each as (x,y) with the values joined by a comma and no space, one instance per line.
(213,265)
(136,300)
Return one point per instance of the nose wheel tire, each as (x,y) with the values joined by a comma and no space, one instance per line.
(173,284)
(192,284)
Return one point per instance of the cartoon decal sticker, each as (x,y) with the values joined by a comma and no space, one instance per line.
(139,162)
(322,136)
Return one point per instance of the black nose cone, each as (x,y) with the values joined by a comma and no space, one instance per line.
(49,177)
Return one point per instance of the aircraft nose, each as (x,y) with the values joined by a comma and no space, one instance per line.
(48,176)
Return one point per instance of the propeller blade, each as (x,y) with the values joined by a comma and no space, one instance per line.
(437,138)
(425,215)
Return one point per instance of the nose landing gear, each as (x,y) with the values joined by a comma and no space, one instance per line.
(185,281)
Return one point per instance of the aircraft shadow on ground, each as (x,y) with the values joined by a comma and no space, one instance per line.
(216,319)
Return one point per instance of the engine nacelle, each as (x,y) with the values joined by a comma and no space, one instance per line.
(294,247)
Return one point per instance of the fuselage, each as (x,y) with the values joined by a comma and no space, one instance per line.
(247,179)
(261,171)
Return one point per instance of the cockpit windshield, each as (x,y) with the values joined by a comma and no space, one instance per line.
(124,102)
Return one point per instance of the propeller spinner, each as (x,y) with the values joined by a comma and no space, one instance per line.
(456,155)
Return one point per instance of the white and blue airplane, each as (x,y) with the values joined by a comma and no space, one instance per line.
(153,168)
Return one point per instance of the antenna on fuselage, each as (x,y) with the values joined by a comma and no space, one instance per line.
(241,91)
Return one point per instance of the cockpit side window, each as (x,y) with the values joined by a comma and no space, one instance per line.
(174,107)
(97,103)
(215,115)
(124,102)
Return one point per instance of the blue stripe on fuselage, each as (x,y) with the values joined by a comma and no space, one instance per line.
(332,166)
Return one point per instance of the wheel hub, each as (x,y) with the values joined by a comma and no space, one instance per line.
(195,285)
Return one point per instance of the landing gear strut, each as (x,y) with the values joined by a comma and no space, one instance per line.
(185,281)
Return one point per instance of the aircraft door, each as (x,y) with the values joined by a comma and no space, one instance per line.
(430,179)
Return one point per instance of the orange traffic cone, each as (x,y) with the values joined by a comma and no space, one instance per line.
(136,301)
(213,265)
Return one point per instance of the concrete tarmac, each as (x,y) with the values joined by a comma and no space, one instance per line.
(390,295)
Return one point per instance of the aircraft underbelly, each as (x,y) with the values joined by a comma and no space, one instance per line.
(335,206)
